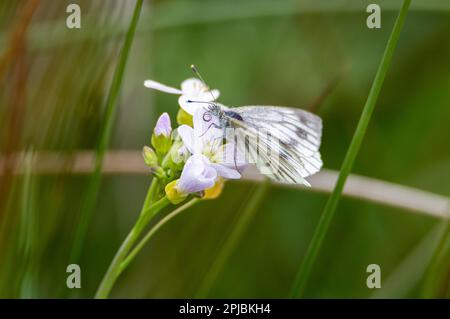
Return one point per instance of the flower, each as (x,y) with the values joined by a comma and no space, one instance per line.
(150,157)
(191,89)
(161,139)
(207,140)
(196,176)
(198,160)
(163,126)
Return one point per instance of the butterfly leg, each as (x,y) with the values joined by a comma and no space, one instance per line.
(210,125)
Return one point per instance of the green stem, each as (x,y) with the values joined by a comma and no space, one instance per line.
(151,195)
(325,220)
(114,269)
(110,112)
(152,231)
(149,209)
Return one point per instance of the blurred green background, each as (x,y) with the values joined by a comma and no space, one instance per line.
(54,88)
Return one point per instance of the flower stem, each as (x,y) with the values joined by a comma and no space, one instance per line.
(147,212)
(152,231)
(325,220)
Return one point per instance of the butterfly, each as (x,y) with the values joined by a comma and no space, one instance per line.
(282,142)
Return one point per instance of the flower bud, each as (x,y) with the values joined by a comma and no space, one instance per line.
(150,157)
(161,138)
(173,194)
(179,153)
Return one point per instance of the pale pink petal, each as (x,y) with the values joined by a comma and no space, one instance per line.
(226,172)
(163,125)
(197,175)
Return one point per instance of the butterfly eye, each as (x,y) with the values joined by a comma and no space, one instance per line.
(207,116)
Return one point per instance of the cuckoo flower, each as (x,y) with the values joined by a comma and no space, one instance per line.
(191,89)
(207,140)
(197,176)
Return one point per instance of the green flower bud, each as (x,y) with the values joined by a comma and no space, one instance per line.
(150,157)
(179,153)
(173,194)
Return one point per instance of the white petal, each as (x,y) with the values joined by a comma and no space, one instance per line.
(226,172)
(187,104)
(187,135)
(161,87)
(208,96)
(192,86)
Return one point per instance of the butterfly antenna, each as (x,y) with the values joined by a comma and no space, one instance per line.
(198,75)
(192,101)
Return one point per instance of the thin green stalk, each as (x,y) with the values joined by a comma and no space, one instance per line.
(152,231)
(231,241)
(409,272)
(311,255)
(114,269)
(105,137)
(438,266)
(27,232)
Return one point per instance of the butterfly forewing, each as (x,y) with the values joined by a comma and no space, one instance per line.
(288,141)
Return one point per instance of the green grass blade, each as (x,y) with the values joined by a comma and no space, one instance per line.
(409,272)
(105,137)
(325,220)
(27,232)
(437,269)
(232,239)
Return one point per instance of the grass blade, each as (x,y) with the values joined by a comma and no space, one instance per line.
(105,137)
(27,232)
(153,230)
(327,215)
(409,272)
(232,239)
(437,270)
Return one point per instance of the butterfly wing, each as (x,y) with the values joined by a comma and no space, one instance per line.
(297,134)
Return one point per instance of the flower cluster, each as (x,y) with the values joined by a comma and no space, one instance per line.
(193,159)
